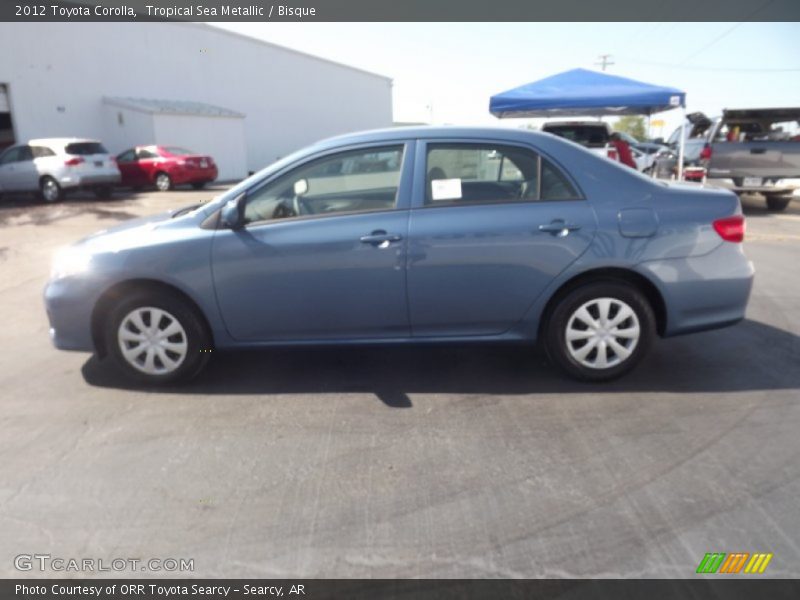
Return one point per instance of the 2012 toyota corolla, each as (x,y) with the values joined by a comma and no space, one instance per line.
(409,236)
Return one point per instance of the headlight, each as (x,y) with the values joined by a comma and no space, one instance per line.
(69,262)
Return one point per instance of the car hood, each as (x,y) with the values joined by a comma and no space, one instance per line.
(135,232)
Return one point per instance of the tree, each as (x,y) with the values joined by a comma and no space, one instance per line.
(633,125)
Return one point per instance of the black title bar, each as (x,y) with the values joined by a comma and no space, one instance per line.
(401,10)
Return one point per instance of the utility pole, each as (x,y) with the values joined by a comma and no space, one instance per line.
(604,62)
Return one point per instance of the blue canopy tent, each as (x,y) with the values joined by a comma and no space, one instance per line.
(584,92)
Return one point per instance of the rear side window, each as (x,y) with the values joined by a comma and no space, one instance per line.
(85,148)
(459,174)
(41,152)
(586,135)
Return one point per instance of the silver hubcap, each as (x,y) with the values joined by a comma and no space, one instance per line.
(152,340)
(602,333)
(162,182)
(50,190)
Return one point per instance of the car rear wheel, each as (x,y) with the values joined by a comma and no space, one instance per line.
(50,190)
(157,338)
(103,192)
(163,182)
(778,202)
(600,331)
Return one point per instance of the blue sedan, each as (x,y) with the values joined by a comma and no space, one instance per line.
(412,235)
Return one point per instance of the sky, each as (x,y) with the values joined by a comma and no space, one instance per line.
(446,72)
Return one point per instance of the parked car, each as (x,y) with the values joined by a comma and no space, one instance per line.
(55,166)
(594,135)
(412,235)
(644,162)
(165,167)
(744,150)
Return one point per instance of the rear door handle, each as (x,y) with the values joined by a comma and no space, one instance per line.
(380,238)
(559,228)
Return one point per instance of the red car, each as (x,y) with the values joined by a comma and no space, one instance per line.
(165,167)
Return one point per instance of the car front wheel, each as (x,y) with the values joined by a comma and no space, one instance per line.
(157,338)
(600,331)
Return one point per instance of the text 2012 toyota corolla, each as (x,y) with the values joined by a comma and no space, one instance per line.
(408,236)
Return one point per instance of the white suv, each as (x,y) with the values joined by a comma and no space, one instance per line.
(57,165)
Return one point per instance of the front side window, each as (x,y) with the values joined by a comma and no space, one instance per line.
(349,182)
(11,155)
(460,174)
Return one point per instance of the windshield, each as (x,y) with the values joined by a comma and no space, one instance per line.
(593,136)
(85,148)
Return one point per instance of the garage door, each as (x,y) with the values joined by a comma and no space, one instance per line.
(4,106)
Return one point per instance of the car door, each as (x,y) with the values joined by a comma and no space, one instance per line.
(322,254)
(129,168)
(18,170)
(7,163)
(146,166)
(491,225)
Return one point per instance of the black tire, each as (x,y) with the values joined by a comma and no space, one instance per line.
(163,182)
(197,338)
(103,192)
(555,329)
(199,185)
(778,202)
(49,190)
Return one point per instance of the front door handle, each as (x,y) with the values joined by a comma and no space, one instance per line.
(559,228)
(380,238)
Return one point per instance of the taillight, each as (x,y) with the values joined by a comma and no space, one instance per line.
(73,162)
(112,160)
(730,229)
(705,153)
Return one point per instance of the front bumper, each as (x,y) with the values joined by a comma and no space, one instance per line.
(69,302)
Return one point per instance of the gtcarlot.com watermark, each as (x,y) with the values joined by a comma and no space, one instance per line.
(56,564)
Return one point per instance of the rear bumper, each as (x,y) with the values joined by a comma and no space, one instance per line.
(88,181)
(703,292)
(192,175)
(728,184)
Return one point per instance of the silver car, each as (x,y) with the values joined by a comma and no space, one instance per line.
(54,166)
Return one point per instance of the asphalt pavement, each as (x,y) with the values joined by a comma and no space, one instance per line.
(476,461)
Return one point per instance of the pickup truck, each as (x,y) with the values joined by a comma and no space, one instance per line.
(745,150)
(594,135)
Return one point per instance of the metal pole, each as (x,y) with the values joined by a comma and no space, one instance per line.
(682,143)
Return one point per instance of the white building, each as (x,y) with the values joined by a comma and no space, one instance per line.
(241,100)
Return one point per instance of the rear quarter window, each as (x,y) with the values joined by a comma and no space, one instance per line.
(85,148)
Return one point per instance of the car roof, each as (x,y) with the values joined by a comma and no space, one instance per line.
(431,132)
(60,141)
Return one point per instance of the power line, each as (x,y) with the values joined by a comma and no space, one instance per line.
(604,62)
(708,68)
(726,32)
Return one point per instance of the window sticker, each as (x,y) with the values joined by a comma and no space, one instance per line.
(446,189)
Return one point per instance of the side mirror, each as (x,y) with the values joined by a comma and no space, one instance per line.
(232,214)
